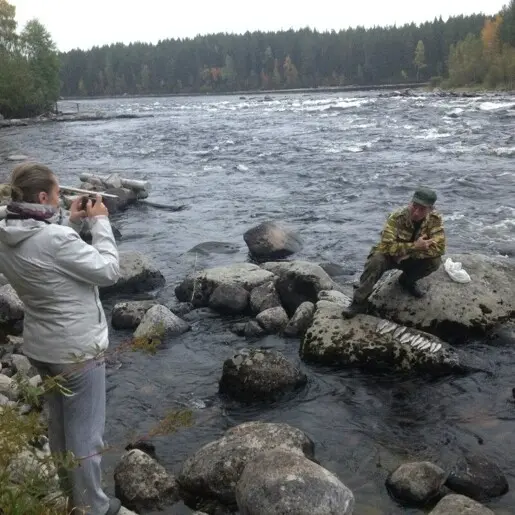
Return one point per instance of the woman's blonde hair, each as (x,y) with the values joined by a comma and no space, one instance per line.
(28,180)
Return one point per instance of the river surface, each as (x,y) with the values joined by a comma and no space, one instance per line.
(331,166)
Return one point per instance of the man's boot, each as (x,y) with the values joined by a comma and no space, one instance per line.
(353,309)
(410,287)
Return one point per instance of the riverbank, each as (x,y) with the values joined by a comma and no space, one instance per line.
(325,89)
(388,90)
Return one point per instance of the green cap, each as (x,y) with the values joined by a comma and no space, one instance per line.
(424,197)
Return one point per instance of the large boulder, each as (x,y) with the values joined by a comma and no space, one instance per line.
(298,282)
(452,310)
(477,477)
(416,483)
(279,481)
(137,274)
(374,344)
(141,483)
(454,504)
(197,288)
(213,471)
(256,374)
(271,240)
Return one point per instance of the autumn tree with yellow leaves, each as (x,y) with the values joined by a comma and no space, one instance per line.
(487,60)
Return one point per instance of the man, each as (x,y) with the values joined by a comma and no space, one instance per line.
(413,240)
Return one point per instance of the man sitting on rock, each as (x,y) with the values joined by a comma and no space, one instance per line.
(413,240)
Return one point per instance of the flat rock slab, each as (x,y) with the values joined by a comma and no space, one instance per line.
(373,343)
(198,288)
(451,309)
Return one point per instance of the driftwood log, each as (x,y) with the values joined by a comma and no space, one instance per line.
(115,181)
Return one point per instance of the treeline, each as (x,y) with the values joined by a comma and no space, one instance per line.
(462,51)
(29,67)
(273,60)
(487,59)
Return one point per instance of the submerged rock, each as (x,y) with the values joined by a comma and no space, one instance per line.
(214,247)
(374,344)
(137,274)
(141,483)
(128,315)
(212,472)
(449,309)
(271,240)
(279,481)
(454,504)
(255,375)
(197,288)
(253,330)
(298,282)
(416,483)
(477,477)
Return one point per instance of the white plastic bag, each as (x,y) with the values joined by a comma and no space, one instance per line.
(456,272)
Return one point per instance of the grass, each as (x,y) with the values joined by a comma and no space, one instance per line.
(28,481)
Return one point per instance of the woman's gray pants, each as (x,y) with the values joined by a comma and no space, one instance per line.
(76,424)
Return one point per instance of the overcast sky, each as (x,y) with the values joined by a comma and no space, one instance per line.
(85,23)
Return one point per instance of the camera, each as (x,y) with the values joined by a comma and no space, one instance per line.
(84,202)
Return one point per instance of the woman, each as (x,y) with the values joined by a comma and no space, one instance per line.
(57,275)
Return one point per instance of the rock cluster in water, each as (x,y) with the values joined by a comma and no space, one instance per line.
(263,468)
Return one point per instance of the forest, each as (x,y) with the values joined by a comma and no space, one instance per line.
(473,51)
(465,49)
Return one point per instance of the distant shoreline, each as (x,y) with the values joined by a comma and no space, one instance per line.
(325,89)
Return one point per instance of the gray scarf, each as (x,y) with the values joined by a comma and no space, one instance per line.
(40,212)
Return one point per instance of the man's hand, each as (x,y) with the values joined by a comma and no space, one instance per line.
(423,243)
(99,209)
(76,213)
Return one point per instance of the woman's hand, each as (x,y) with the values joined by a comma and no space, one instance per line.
(98,209)
(76,212)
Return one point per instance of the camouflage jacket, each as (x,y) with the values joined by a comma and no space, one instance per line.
(396,237)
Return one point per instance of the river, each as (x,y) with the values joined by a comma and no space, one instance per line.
(331,166)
